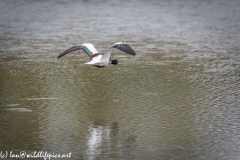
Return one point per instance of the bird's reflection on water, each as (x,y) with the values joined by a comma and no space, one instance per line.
(98,136)
(102,142)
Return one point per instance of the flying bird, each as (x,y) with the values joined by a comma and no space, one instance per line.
(98,60)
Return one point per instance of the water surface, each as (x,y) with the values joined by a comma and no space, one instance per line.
(178,98)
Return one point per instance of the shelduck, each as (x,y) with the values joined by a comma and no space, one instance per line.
(98,60)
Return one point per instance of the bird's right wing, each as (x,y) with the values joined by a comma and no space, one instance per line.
(121,46)
(88,48)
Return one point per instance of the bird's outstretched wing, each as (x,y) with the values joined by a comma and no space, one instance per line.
(74,48)
(121,46)
(88,48)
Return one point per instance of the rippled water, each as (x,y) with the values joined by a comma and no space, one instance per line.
(177,99)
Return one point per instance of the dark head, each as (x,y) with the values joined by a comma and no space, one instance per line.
(114,61)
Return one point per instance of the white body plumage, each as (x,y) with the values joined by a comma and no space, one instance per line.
(96,58)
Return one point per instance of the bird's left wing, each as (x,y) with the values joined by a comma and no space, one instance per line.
(74,48)
(88,48)
(121,46)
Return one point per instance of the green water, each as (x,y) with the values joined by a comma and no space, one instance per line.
(178,98)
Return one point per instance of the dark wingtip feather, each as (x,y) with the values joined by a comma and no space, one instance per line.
(125,48)
(74,48)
